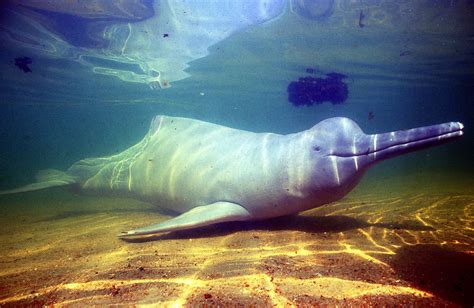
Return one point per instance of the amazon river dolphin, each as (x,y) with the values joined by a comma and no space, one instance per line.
(212,174)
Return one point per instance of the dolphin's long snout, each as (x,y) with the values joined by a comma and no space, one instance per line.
(387,145)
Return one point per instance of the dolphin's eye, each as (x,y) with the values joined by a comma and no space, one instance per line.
(317,148)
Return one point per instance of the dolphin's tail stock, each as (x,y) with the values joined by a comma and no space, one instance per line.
(44,179)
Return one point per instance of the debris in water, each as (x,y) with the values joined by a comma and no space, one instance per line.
(22,63)
(370,115)
(361,19)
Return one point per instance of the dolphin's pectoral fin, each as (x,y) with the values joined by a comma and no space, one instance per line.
(196,217)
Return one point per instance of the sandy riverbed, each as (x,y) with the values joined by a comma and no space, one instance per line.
(396,241)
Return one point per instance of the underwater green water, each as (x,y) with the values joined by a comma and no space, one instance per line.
(409,65)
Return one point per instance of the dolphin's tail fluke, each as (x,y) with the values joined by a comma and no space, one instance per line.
(44,179)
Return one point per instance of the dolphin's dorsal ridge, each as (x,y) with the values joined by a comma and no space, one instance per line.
(155,124)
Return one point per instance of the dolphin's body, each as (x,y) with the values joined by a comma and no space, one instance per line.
(211,173)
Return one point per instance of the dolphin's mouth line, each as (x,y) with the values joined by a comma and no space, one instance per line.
(440,138)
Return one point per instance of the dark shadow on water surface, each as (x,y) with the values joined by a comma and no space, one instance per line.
(309,224)
(444,272)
